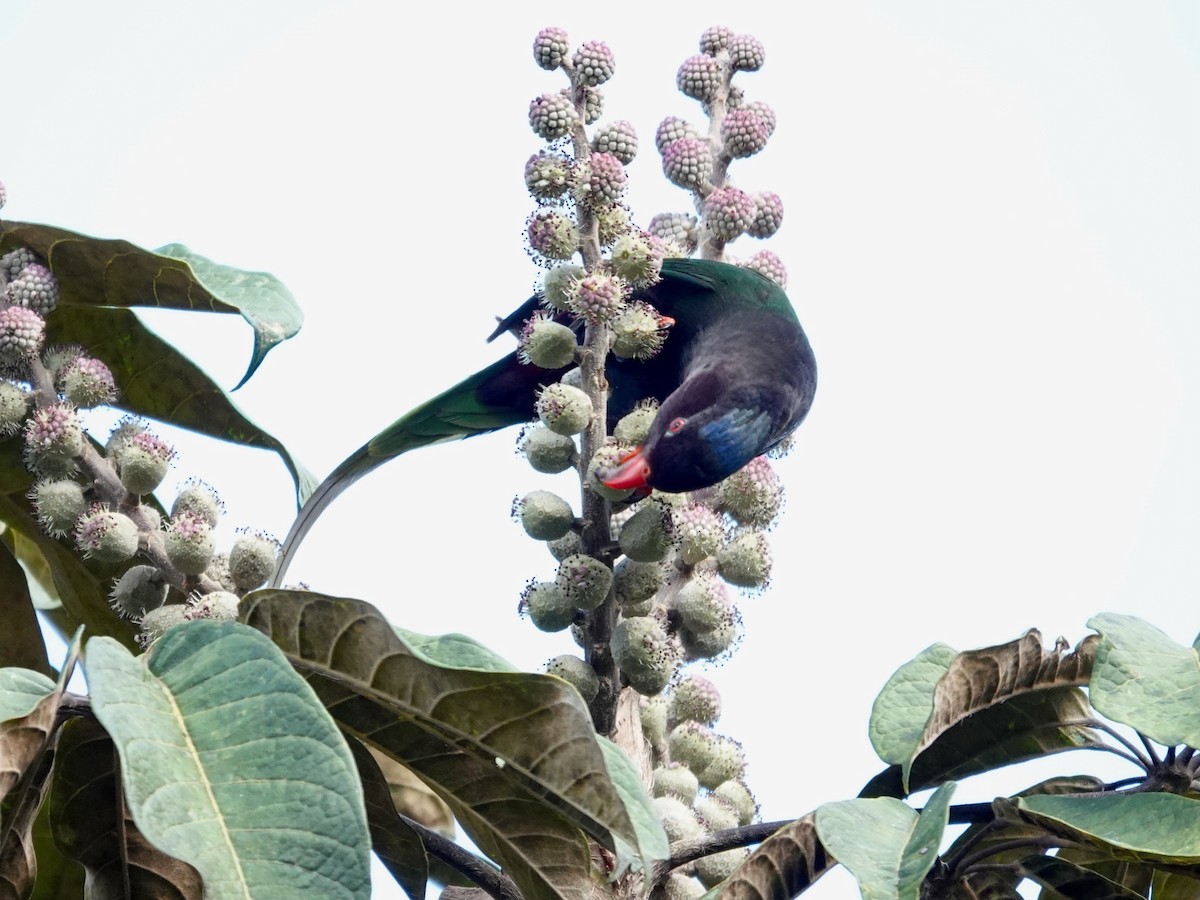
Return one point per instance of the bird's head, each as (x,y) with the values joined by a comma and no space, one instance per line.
(702,434)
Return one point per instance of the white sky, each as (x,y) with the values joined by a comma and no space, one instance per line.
(992,232)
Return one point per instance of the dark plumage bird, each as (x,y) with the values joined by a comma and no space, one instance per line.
(735,377)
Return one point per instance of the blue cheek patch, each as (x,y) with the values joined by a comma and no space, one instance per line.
(736,437)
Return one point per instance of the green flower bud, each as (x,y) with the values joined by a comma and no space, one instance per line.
(545,516)
(58,506)
(218,571)
(699,530)
(638,332)
(709,644)
(636,582)
(14,406)
(549,607)
(692,744)
(607,456)
(728,763)
(646,536)
(634,427)
(87,383)
(716,867)
(675,780)
(564,409)
(577,673)
(155,622)
(678,819)
(139,590)
(703,604)
(695,699)
(645,654)
(738,796)
(546,343)
(753,496)
(558,286)
(201,499)
(106,536)
(252,560)
(681,887)
(653,713)
(220,605)
(584,580)
(142,462)
(546,451)
(189,543)
(53,438)
(567,545)
(714,813)
(746,560)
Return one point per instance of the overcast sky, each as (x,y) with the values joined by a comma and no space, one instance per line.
(992,233)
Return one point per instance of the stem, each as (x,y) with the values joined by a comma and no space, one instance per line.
(1149,748)
(683,852)
(1042,843)
(492,881)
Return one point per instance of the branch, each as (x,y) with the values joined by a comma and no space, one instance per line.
(493,882)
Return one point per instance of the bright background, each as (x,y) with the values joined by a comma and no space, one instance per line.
(993,238)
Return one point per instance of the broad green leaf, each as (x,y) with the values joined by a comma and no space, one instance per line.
(1154,827)
(92,826)
(231,764)
(531,732)
(885,844)
(454,651)
(57,875)
(652,839)
(396,843)
(21,690)
(111,273)
(1073,882)
(903,707)
(1175,886)
(784,865)
(1129,874)
(21,642)
(1145,680)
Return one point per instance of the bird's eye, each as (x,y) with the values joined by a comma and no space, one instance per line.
(676,424)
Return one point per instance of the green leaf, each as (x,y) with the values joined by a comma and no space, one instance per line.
(98,272)
(903,707)
(261,298)
(1145,680)
(885,844)
(92,827)
(1175,886)
(652,839)
(1155,827)
(1128,874)
(231,764)
(784,865)
(1071,881)
(21,642)
(396,843)
(454,651)
(21,690)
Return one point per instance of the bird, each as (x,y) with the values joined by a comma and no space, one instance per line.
(734,378)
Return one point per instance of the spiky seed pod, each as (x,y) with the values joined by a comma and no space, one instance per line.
(139,590)
(546,451)
(155,622)
(636,582)
(87,383)
(143,463)
(764,112)
(677,231)
(746,53)
(122,433)
(189,543)
(585,580)
(716,867)
(767,263)
(58,506)
(753,496)
(35,288)
(53,438)
(709,644)
(252,560)
(593,105)
(618,138)
(746,560)
(681,887)
(576,673)
(546,343)
(678,819)
(550,48)
(546,175)
(728,212)
(221,605)
(594,63)
(599,182)
(637,257)
(557,286)
(703,604)
(714,813)
(201,499)
(22,332)
(687,162)
(645,654)
(552,235)
(567,545)
(738,796)
(646,536)
(671,129)
(695,699)
(14,407)
(634,427)
(552,116)
(638,332)
(674,780)
(218,571)
(106,536)
(699,77)
(699,531)
(598,297)
(549,607)
(545,516)
(715,38)
(12,262)
(564,409)
(744,133)
(653,714)
(728,763)
(768,215)
(611,223)
(692,744)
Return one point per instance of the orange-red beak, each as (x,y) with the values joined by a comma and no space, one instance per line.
(631,472)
